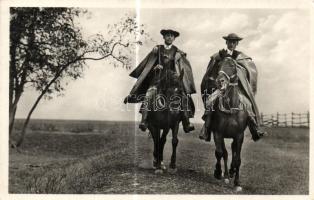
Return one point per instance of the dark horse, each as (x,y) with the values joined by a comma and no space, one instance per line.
(166,114)
(229,121)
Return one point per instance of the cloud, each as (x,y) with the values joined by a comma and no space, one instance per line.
(235,22)
(281,46)
(277,40)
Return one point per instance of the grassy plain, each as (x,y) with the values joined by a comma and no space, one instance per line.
(115,158)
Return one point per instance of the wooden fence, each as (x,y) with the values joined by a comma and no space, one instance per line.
(286,119)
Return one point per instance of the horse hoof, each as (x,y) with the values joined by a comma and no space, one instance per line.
(172,170)
(238,189)
(163,166)
(217,175)
(231,173)
(227,181)
(154,164)
(159,171)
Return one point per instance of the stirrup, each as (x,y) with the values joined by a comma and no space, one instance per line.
(188,128)
(258,135)
(143,126)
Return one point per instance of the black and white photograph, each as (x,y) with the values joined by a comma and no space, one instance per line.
(143,98)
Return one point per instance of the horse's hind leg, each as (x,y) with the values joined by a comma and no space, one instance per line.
(225,157)
(175,142)
(219,155)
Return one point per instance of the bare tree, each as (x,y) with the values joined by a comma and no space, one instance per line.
(47,50)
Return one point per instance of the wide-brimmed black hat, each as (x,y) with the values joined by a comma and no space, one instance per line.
(166,31)
(232,36)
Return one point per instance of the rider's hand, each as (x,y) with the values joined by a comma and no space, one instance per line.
(158,67)
(125,101)
(222,82)
(155,49)
(223,86)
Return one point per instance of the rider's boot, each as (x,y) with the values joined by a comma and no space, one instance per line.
(146,106)
(205,133)
(186,115)
(187,125)
(143,123)
(255,129)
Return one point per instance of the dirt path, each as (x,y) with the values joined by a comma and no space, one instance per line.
(120,162)
(261,173)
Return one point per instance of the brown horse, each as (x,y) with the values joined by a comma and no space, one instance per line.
(229,121)
(165,115)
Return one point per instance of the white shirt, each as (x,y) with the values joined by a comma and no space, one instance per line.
(167,46)
(229,52)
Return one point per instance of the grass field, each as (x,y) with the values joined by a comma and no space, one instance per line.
(115,158)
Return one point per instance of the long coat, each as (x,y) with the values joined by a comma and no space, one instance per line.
(247,73)
(142,71)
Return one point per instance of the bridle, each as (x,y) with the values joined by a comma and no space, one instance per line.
(230,77)
(231,110)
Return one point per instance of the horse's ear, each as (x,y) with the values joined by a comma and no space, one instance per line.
(181,74)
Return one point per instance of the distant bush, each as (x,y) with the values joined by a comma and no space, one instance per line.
(74,126)
(43,127)
(79,128)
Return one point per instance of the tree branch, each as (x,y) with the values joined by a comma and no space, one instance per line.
(101,58)
(109,54)
(118,59)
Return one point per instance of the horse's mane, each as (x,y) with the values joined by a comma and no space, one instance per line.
(228,60)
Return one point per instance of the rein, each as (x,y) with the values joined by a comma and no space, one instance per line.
(228,77)
(221,101)
(164,82)
(223,97)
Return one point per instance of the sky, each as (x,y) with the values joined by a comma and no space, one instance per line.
(278,40)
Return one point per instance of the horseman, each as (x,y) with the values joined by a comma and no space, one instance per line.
(248,82)
(160,60)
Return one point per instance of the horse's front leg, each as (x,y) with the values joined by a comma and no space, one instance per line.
(162,145)
(175,142)
(238,145)
(225,157)
(157,157)
(233,165)
(155,153)
(218,153)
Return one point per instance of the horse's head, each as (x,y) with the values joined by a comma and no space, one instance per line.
(227,74)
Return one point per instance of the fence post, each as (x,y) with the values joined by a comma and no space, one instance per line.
(281,120)
(286,123)
(292,119)
(308,119)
